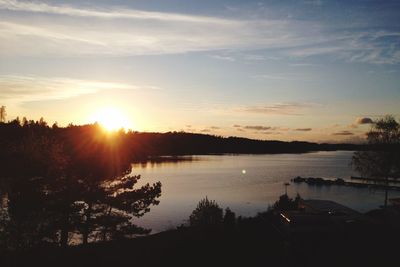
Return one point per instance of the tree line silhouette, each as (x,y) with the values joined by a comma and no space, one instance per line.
(141,145)
(182,143)
(67,185)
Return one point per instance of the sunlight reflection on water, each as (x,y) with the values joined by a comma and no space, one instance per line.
(247,183)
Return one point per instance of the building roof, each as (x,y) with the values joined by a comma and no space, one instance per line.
(327,206)
(315,213)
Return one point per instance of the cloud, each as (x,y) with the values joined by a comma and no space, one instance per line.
(74,30)
(360,121)
(254,57)
(261,129)
(37,7)
(60,38)
(277,109)
(225,58)
(34,88)
(257,128)
(302,65)
(303,129)
(210,129)
(315,50)
(132,32)
(343,133)
(364,120)
(352,45)
(282,129)
(270,133)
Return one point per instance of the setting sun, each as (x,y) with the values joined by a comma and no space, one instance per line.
(111,118)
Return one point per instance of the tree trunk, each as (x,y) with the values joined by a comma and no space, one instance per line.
(386,191)
(64,238)
(386,197)
(105,230)
(86,226)
(64,231)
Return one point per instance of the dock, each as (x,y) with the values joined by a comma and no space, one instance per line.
(341,182)
(375,180)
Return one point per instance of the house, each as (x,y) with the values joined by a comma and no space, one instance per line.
(317,215)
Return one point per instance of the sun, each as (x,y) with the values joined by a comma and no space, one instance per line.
(111,119)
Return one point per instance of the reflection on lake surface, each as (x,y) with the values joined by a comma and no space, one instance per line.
(247,183)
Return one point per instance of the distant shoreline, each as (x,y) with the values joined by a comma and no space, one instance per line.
(192,157)
(153,145)
(140,146)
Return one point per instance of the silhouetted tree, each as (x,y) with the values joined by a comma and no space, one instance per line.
(3,114)
(109,213)
(63,182)
(229,219)
(206,214)
(25,190)
(286,203)
(383,162)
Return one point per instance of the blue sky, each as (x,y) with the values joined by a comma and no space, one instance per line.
(288,70)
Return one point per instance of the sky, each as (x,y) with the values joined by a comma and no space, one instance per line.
(275,70)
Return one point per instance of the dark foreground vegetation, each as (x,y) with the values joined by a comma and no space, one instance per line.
(214,239)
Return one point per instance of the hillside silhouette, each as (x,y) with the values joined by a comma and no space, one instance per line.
(141,145)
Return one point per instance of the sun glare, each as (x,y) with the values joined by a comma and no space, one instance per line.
(111,119)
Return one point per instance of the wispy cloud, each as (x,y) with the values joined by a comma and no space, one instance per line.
(343,133)
(255,57)
(271,133)
(303,129)
(352,45)
(301,65)
(61,37)
(258,128)
(226,58)
(39,7)
(34,88)
(70,30)
(132,32)
(315,50)
(278,109)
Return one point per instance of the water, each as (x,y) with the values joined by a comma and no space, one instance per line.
(247,184)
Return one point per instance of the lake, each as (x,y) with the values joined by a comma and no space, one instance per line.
(247,184)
